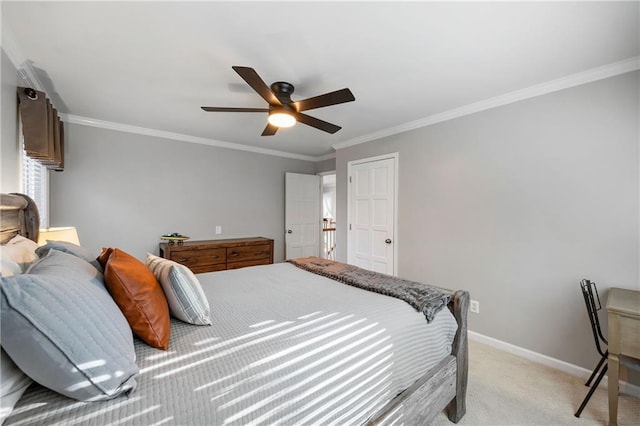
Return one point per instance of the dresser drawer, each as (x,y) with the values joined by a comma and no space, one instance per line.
(209,256)
(238,254)
(218,255)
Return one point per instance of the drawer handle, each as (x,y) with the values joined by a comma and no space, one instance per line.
(235,254)
(184,259)
(215,257)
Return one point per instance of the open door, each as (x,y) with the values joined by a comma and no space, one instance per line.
(302,215)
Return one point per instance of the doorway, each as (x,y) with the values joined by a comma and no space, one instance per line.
(328,237)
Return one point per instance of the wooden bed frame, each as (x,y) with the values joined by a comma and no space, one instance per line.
(442,387)
(18,215)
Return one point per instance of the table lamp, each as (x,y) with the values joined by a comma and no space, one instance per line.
(65,233)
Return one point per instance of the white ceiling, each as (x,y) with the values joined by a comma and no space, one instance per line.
(153,64)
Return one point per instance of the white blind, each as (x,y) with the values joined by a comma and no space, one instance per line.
(35,183)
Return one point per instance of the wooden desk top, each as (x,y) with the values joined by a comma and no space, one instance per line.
(624,301)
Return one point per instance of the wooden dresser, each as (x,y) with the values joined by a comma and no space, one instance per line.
(218,255)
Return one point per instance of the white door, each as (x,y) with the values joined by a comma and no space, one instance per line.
(302,215)
(372,214)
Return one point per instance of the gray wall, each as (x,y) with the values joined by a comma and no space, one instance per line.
(326,165)
(125,190)
(10,146)
(516,205)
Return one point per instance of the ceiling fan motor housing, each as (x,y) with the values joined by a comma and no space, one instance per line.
(282,87)
(283,91)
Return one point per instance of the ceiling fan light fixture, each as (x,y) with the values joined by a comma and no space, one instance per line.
(283,112)
(281,118)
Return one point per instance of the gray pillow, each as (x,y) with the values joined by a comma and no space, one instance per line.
(70,248)
(67,335)
(182,289)
(61,263)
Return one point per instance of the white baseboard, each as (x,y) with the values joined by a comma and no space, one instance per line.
(574,370)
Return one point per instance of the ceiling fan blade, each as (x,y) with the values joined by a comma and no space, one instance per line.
(317,123)
(253,79)
(270,130)
(331,98)
(232,109)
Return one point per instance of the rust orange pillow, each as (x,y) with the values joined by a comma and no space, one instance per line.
(103,257)
(139,296)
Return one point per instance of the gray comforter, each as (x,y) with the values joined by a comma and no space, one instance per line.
(286,346)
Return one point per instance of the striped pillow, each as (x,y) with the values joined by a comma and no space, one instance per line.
(187,301)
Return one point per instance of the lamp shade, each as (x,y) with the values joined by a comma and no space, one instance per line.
(66,233)
(281,118)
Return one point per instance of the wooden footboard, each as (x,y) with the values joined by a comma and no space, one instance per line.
(444,386)
(459,306)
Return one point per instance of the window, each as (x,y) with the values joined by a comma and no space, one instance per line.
(35,184)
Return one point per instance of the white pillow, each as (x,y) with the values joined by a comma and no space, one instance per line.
(14,383)
(9,268)
(19,250)
(15,257)
(183,291)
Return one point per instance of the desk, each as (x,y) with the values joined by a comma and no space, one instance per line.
(623,309)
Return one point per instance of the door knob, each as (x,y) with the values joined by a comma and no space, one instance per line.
(388,241)
(289,231)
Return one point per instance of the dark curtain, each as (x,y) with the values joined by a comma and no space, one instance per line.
(42,129)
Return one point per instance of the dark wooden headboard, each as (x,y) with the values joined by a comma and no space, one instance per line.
(18,215)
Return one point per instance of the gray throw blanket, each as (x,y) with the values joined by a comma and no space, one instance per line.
(423,297)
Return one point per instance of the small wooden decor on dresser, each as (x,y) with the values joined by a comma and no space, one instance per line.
(218,255)
(174,238)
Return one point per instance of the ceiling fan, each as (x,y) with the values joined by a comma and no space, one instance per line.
(283,112)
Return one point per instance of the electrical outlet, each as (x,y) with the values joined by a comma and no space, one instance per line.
(474,306)
(218,229)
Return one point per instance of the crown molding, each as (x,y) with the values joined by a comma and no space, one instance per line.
(24,67)
(588,76)
(324,157)
(110,125)
(26,70)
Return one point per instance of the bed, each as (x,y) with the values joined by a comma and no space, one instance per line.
(285,346)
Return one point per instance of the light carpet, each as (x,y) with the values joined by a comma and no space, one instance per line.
(505,389)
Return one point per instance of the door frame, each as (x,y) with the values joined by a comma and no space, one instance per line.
(395,157)
(321,236)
